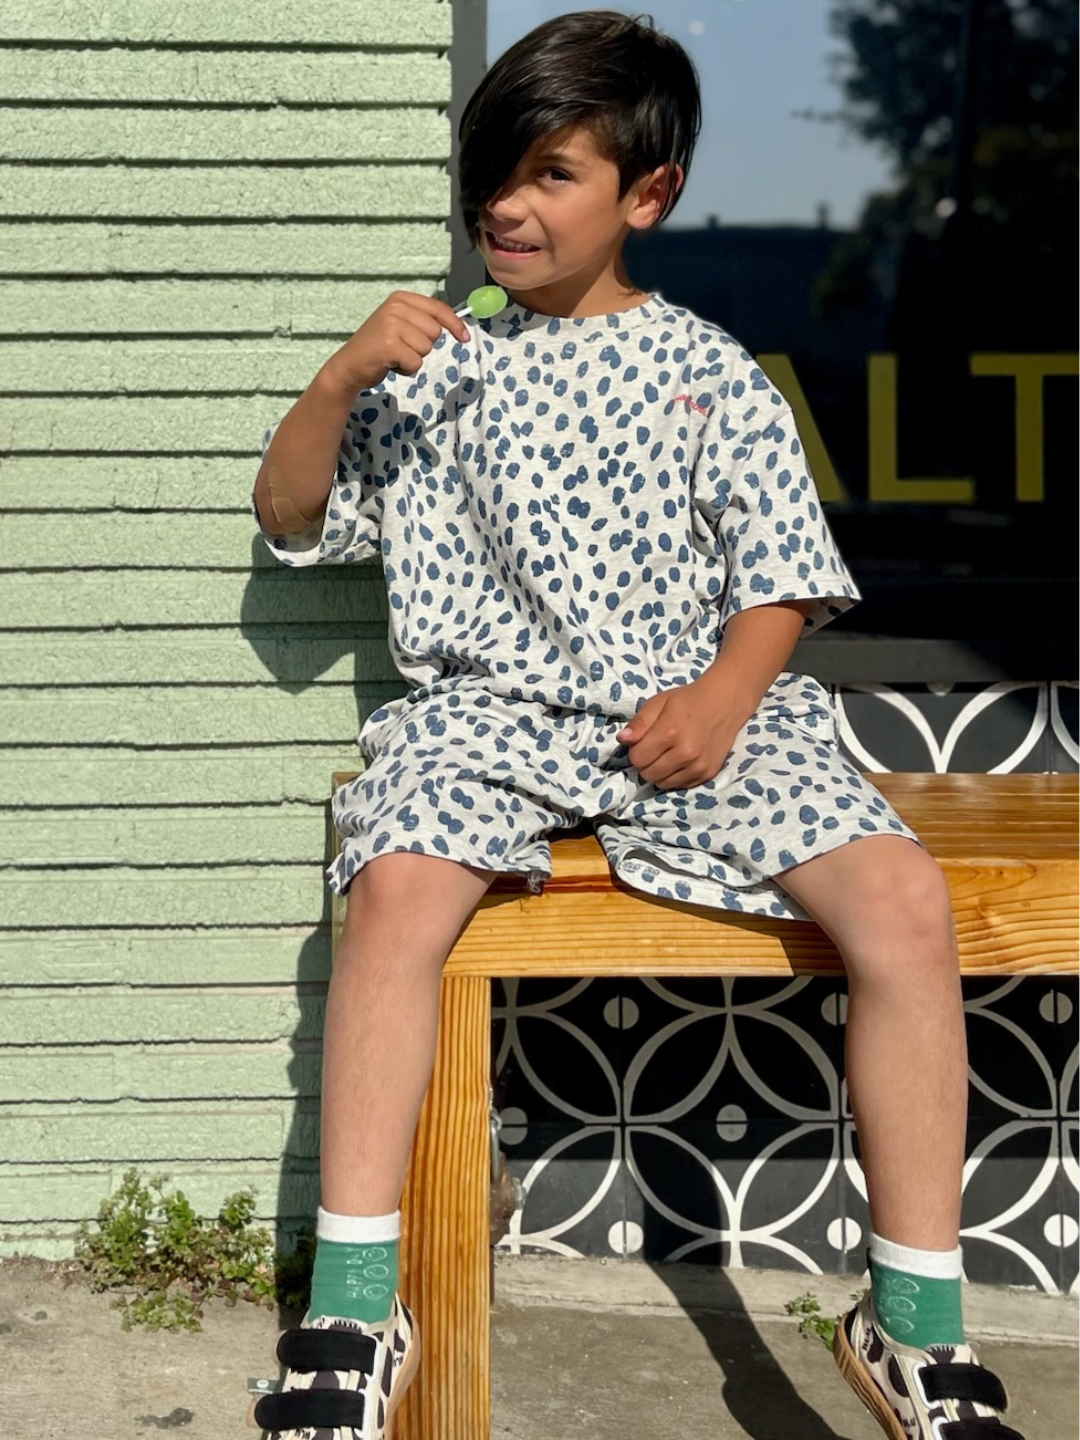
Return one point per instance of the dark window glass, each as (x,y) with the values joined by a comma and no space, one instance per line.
(882,208)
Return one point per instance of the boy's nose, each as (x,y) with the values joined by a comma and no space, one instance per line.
(506,205)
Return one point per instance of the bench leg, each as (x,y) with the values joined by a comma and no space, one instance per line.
(445,1227)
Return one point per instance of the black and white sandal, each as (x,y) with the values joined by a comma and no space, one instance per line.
(344,1380)
(938,1394)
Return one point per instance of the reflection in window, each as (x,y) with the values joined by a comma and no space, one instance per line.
(882,208)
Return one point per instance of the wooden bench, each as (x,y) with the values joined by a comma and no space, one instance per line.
(1007,845)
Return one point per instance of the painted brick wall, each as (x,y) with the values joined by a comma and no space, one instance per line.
(199,203)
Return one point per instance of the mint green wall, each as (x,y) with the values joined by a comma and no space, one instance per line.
(197,214)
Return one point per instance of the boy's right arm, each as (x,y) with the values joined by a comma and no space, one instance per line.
(297,472)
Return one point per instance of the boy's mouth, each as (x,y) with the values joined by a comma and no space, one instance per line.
(509,247)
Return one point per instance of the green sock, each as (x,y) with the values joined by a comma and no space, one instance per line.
(915,1309)
(355,1282)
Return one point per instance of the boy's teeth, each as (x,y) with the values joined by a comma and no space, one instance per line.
(512,245)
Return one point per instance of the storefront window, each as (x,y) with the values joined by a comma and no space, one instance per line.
(882,209)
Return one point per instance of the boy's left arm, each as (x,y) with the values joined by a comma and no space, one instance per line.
(682,736)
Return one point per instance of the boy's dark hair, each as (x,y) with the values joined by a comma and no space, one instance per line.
(634,88)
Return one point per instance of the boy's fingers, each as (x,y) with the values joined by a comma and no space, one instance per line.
(446,318)
(423,323)
(408,361)
(678,779)
(415,337)
(669,773)
(644,720)
(648,752)
(407,365)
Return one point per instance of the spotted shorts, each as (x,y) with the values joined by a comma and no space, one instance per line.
(478,778)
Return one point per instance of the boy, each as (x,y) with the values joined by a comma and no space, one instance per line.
(600,544)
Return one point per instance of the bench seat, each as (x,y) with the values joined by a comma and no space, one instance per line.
(1008,847)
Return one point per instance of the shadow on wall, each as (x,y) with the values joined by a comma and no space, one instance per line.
(320,633)
(303,622)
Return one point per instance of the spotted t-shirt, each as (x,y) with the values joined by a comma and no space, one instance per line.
(569,510)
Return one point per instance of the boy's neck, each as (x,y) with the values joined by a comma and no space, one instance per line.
(578,296)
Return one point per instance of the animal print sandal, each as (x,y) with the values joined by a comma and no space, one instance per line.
(938,1394)
(344,1380)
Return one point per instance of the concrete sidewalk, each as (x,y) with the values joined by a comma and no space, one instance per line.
(581,1350)
(608,1351)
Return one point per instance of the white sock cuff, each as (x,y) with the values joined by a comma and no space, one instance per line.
(933,1264)
(357,1229)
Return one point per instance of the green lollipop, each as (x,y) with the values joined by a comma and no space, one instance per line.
(485,302)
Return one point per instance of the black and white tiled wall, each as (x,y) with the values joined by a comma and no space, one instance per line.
(708,1121)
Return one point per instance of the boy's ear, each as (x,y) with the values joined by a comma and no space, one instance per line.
(651,196)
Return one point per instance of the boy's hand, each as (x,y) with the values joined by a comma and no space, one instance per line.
(396,336)
(681,736)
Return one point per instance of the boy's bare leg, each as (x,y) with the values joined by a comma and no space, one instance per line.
(884,903)
(404,913)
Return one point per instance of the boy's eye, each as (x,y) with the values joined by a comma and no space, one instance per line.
(556,173)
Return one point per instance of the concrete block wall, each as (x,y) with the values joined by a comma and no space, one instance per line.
(200,202)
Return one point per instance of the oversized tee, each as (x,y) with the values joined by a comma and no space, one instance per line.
(569,511)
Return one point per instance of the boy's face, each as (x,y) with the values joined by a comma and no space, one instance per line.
(563,202)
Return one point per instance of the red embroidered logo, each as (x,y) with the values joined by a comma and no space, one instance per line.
(701,410)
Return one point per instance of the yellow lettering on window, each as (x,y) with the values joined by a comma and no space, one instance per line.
(781,372)
(885,483)
(1028,371)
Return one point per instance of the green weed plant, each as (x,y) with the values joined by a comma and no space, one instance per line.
(813,1325)
(150,1243)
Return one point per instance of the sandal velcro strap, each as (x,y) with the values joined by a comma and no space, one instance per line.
(963,1382)
(326,1350)
(311,1409)
(986,1427)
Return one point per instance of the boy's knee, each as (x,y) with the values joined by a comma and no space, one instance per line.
(912,905)
(916,881)
(404,891)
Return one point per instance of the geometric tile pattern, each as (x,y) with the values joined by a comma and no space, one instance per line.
(708,1121)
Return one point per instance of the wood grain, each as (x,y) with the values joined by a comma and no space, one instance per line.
(1009,921)
(1006,843)
(444,1250)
